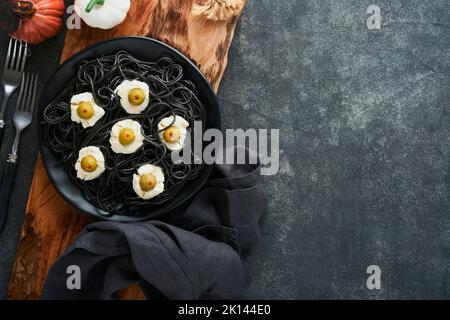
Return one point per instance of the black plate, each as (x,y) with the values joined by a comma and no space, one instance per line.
(148,50)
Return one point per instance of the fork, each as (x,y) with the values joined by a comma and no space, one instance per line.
(22,119)
(12,74)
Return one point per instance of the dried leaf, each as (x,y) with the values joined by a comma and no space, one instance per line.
(219,10)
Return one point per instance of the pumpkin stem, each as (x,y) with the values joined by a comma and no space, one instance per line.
(23,9)
(94,3)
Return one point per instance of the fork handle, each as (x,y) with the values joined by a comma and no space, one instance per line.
(2,129)
(2,113)
(9,172)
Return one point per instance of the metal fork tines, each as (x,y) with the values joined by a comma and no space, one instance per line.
(12,72)
(24,110)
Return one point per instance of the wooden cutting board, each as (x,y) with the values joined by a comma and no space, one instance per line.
(50,223)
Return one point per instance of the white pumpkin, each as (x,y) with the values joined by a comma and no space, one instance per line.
(102,14)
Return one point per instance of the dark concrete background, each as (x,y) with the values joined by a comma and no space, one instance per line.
(364,175)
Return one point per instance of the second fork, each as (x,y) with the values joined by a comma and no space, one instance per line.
(22,118)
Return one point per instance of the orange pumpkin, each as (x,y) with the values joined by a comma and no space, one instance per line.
(39,19)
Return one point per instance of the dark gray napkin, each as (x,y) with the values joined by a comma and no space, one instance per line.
(198,252)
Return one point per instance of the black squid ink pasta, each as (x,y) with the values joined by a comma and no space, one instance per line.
(169,95)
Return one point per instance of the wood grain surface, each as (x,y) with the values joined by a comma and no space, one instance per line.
(50,223)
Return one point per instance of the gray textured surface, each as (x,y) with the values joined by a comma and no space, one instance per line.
(364,175)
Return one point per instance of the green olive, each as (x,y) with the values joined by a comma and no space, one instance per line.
(172,134)
(89,163)
(147,182)
(85,110)
(136,97)
(126,136)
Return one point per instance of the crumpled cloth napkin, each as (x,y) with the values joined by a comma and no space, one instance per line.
(199,252)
